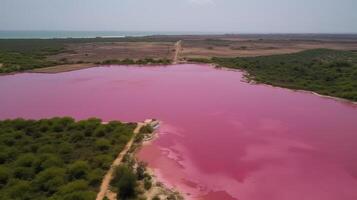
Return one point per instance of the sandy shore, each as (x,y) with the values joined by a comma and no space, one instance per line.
(310,92)
(62,68)
(247,80)
(158,189)
(329,97)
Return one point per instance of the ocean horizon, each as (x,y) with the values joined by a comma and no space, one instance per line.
(86,34)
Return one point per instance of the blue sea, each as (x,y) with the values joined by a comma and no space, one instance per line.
(83,34)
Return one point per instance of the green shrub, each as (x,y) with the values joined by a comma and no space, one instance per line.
(125,181)
(156,198)
(95,177)
(4,176)
(78,170)
(140,170)
(50,180)
(45,159)
(102,144)
(320,70)
(147,184)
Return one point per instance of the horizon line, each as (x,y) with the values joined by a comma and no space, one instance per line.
(192,32)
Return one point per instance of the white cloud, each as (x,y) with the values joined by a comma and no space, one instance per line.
(202,2)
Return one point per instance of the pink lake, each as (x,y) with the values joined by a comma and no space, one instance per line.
(220,138)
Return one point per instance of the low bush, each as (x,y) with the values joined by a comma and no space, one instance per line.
(328,72)
(57,158)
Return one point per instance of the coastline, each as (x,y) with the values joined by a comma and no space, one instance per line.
(62,68)
(54,69)
(158,189)
(128,157)
(341,100)
(73,67)
(76,67)
(337,99)
(158,166)
(251,81)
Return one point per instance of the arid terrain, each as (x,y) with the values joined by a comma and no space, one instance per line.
(61,54)
(256,47)
(205,46)
(101,51)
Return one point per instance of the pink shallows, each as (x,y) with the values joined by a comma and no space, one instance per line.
(221,138)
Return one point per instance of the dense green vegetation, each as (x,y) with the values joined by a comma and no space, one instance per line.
(125,182)
(20,55)
(57,158)
(131,178)
(26,54)
(145,61)
(328,72)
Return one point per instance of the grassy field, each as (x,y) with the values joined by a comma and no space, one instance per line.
(327,72)
(57,158)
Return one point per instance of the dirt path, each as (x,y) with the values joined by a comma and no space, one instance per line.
(104,187)
(62,68)
(178,48)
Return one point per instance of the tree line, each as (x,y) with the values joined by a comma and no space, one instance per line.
(328,72)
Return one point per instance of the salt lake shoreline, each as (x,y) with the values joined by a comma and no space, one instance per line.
(131,150)
(214,74)
(76,67)
(246,74)
(162,187)
(158,187)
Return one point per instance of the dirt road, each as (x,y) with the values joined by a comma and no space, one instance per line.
(104,188)
(178,48)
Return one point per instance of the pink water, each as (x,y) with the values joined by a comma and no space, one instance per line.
(220,138)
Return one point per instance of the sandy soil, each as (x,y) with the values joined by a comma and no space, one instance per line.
(63,68)
(203,46)
(98,52)
(104,188)
(178,48)
(249,48)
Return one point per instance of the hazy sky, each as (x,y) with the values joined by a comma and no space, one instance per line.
(245,16)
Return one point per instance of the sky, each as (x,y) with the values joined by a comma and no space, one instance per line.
(228,16)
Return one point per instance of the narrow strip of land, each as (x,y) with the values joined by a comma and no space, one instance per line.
(104,187)
(178,47)
(62,68)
